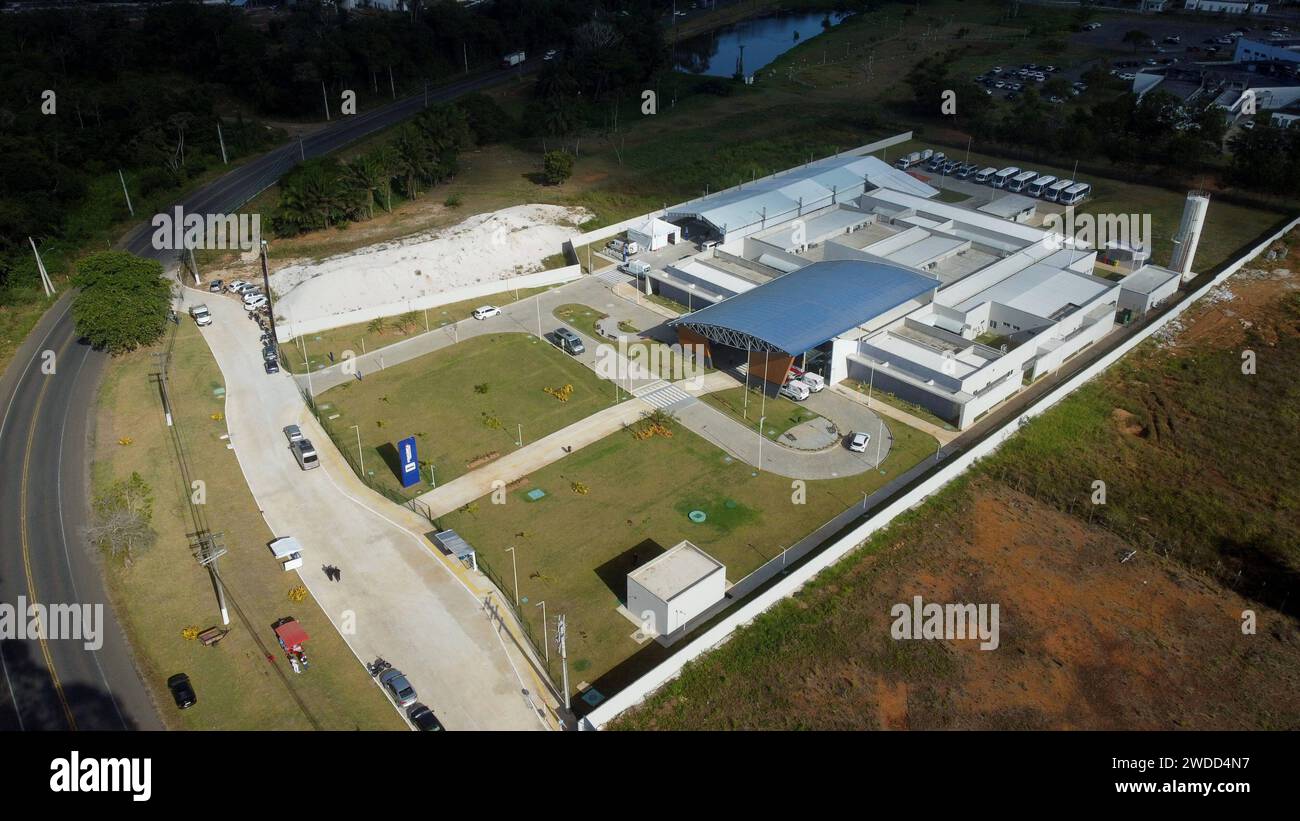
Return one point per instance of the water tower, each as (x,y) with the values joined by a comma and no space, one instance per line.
(1189,233)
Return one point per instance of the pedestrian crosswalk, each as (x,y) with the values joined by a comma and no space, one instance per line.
(663,397)
(613,276)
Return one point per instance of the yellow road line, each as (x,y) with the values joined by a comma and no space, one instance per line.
(27,564)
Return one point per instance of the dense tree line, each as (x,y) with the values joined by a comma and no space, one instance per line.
(325,193)
(142,90)
(1158,131)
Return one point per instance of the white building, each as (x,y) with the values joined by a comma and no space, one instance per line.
(1146,288)
(1226,7)
(654,234)
(665,593)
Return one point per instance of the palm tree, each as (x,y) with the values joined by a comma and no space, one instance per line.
(366,176)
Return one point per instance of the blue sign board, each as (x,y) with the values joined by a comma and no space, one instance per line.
(410,464)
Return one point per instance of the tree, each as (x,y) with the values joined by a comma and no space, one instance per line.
(123,301)
(557,166)
(1135,38)
(122,515)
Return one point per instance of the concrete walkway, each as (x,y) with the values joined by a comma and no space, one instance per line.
(398,598)
(942,434)
(532,457)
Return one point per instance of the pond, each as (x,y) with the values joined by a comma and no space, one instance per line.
(760,41)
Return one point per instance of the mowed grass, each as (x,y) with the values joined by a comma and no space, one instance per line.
(574,550)
(462,403)
(781,414)
(165,590)
(364,337)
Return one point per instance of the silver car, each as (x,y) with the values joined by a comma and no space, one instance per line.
(398,687)
(857,441)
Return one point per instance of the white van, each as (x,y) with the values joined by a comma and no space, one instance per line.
(1053,192)
(1075,194)
(619,246)
(814,381)
(796,390)
(1004,176)
(1038,186)
(1019,181)
(201,315)
(985,174)
(635,267)
(305,454)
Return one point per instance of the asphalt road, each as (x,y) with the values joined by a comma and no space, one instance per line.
(58,684)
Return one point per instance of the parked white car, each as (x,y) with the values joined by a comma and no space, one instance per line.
(857,441)
(486,312)
(239,286)
(251,294)
(201,315)
(256,303)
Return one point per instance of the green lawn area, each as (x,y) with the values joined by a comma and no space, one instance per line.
(574,549)
(781,413)
(165,590)
(462,403)
(367,336)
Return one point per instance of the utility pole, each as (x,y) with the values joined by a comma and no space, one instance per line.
(40,267)
(464,50)
(514,566)
(391,87)
(361,459)
(209,548)
(125,193)
(222,140)
(326,97)
(161,358)
(560,631)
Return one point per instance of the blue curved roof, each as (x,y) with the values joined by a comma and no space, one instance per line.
(804,308)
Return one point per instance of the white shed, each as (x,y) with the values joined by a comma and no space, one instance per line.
(668,591)
(1146,288)
(654,234)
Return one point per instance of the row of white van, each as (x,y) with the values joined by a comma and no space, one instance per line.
(1043,186)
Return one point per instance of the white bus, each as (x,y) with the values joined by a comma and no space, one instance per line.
(985,174)
(1000,179)
(1053,192)
(1038,186)
(1019,181)
(1075,194)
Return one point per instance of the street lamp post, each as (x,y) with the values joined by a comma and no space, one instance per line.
(761,419)
(361,459)
(514,566)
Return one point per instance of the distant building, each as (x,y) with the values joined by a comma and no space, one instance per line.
(1226,7)
(1152,6)
(1284,51)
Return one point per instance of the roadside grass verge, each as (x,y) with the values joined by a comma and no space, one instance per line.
(574,549)
(463,403)
(165,590)
(364,337)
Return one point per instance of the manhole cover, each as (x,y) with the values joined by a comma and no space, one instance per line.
(731,504)
(697,516)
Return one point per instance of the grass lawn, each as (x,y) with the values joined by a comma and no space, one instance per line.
(782,413)
(367,336)
(165,590)
(437,399)
(574,549)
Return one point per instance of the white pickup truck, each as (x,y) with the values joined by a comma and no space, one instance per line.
(201,315)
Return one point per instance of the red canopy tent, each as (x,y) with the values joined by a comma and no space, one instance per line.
(291,634)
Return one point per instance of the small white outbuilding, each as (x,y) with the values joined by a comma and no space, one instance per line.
(654,234)
(668,591)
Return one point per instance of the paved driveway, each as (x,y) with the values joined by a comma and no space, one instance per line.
(396,598)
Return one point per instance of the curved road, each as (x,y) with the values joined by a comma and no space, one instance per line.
(57,684)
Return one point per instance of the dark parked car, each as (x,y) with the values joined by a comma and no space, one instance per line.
(215,286)
(424,719)
(272,366)
(182,692)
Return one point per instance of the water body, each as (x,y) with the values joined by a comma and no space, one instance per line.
(763,39)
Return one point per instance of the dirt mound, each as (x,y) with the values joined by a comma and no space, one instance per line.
(1127,423)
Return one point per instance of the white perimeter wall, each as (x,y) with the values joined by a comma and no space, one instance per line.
(636,692)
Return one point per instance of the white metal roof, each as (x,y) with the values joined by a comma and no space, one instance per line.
(676,570)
